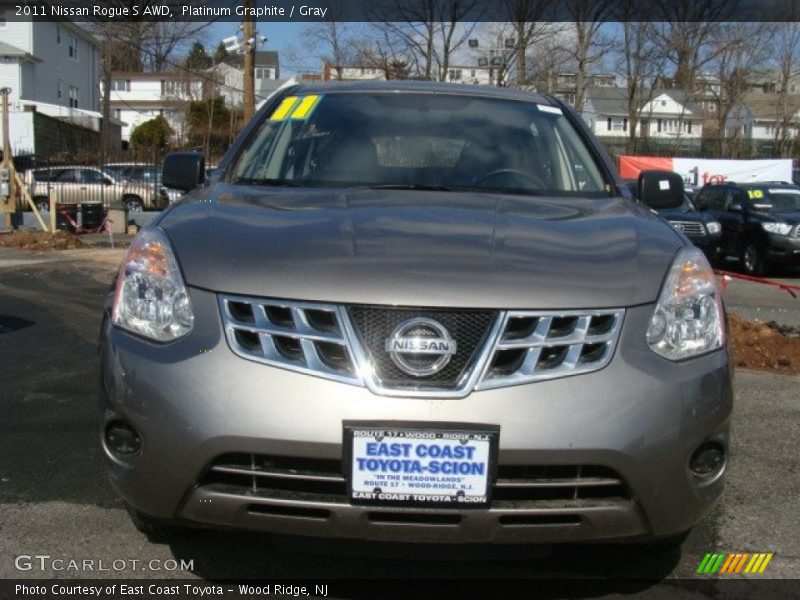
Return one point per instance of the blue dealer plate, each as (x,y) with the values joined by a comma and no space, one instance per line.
(420,466)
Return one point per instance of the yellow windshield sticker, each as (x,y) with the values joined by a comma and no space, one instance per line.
(306,107)
(284,108)
(755,193)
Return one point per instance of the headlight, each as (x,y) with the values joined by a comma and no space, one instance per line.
(687,320)
(151,298)
(779,228)
(713,227)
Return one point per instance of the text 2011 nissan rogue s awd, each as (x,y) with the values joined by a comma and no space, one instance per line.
(416,312)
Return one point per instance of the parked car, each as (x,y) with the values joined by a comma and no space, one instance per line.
(700,227)
(81,184)
(143,174)
(760,223)
(416,312)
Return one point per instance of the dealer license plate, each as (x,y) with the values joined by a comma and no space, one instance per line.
(422,466)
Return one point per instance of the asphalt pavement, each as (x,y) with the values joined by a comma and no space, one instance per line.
(55,500)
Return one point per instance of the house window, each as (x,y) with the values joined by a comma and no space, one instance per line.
(73,96)
(118,114)
(171,87)
(73,47)
(608,124)
(624,124)
(60,89)
(792,89)
(121,85)
(689,128)
(472,73)
(454,74)
(658,126)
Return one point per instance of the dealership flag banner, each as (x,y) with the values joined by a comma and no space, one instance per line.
(700,171)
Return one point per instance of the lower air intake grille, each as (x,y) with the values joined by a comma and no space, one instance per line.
(321,480)
(468,328)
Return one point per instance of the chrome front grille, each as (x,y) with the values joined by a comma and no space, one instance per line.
(689,228)
(346,344)
(300,336)
(538,345)
(323,481)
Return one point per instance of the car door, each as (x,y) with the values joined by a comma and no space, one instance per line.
(732,219)
(66,185)
(714,200)
(93,185)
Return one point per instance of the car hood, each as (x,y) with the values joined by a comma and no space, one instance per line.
(419,248)
(677,214)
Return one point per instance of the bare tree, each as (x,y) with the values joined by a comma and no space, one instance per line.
(737,50)
(785,41)
(333,43)
(429,31)
(530,25)
(588,16)
(685,35)
(642,65)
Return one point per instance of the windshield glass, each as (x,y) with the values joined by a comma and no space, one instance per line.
(419,140)
(778,199)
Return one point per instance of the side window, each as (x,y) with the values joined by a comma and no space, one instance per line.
(738,197)
(91,176)
(713,198)
(68,176)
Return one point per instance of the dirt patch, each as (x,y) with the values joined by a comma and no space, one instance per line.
(41,241)
(765,346)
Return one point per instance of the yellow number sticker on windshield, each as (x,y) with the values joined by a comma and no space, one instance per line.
(755,193)
(306,107)
(284,108)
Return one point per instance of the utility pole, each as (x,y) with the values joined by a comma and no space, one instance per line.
(7,166)
(249,31)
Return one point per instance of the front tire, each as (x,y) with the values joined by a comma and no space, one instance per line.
(752,260)
(133,205)
(159,532)
(42,203)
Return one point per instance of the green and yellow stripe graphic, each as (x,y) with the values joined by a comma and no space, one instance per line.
(734,562)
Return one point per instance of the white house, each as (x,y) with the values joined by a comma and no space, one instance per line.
(763,117)
(662,114)
(139,97)
(230,76)
(53,70)
(54,63)
(469,75)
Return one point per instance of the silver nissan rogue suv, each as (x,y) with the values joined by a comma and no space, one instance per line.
(416,312)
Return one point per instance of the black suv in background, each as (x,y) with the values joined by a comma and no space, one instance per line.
(760,222)
(700,227)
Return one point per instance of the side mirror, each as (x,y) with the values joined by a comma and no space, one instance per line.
(660,189)
(183,170)
(736,207)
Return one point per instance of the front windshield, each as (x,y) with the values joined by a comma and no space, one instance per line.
(419,140)
(778,199)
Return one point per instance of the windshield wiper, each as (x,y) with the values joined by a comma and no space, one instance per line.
(411,186)
(270,182)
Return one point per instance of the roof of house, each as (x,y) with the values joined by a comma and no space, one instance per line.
(769,106)
(9,50)
(264,58)
(614,100)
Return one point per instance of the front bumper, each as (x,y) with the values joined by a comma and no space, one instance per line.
(783,249)
(194,401)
